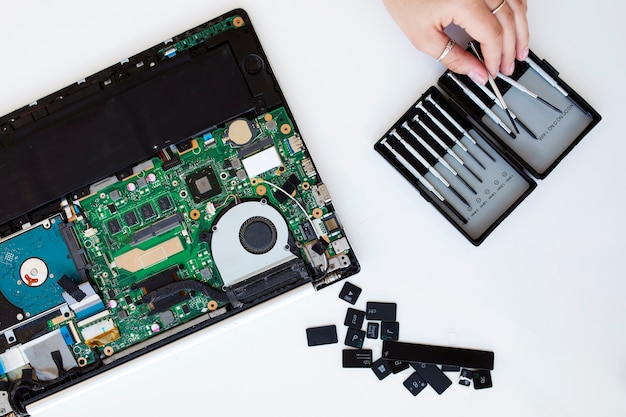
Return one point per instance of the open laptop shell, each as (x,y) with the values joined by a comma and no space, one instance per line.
(172,191)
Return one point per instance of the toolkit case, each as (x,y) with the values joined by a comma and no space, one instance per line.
(461,151)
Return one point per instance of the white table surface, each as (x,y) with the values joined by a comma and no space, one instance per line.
(545,291)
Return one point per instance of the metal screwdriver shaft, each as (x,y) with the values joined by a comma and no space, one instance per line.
(492,97)
(525,90)
(470,94)
(415,157)
(495,88)
(448,133)
(446,148)
(458,126)
(418,173)
(434,153)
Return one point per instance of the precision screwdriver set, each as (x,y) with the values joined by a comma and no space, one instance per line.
(475,151)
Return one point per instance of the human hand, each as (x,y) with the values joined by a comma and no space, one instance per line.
(500,27)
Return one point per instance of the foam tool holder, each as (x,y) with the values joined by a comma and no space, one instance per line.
(460,149)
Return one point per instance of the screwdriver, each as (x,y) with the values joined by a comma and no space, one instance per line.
(427,149)
(495,88)
(447,132)
(457,126)
(417,170)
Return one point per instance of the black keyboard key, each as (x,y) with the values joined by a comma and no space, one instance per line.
(381,311)
(350,293)
(355,338)
(357,358)
(433,376)
(323,335)
(372,330)
(389,330)
(415,384)
(354,318)
(382,368)
(482,379)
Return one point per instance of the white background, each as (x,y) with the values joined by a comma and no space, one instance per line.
(545,291)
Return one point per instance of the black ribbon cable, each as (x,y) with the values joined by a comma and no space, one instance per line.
(58,361)
(71,288)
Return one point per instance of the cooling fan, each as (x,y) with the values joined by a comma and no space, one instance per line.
(250,238)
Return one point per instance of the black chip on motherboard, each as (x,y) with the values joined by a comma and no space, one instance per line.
(294,180)
(323,335)
(131,219)
(112,208)
(307,230)
(350,293)
(280,197)
(289,188)
(164,203)
(114,226)
(203,184)
(147,212)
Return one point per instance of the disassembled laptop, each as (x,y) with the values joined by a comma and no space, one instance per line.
(181,194)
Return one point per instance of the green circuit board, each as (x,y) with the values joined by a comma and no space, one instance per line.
(198,38)
(151,229)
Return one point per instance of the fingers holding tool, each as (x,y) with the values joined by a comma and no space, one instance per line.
(500,27)
(511,15)
(522,34)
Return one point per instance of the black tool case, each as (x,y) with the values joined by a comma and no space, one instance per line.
(471,168)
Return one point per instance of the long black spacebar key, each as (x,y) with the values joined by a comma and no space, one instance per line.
(438,355)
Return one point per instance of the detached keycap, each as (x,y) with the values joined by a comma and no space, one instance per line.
(323,335)
(357,358)
(381,311)
(354,318)
(415,384)
(382,368)
(350,293)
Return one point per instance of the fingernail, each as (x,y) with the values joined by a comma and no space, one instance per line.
(511,68)
(478,77)
(524,54)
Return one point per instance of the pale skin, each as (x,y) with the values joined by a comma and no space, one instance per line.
(503,36)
